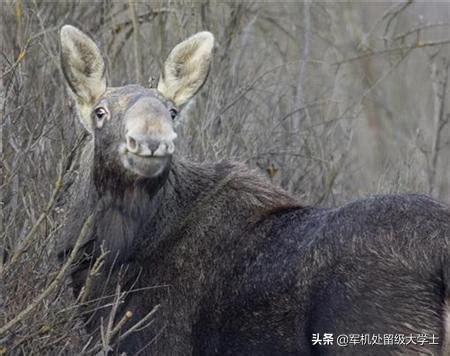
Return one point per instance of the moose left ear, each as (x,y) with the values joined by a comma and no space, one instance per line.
(186,68)
(84,70)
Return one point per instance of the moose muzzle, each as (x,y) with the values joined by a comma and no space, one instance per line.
(149,137)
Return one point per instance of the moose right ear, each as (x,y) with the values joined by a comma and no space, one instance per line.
(84,70)
(186,68)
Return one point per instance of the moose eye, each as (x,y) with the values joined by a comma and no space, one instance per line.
(173,113)
(100,115)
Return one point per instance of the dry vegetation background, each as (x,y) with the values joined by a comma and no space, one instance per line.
(333,101)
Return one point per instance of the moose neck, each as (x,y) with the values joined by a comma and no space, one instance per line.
(132,212)
(188,188)
(154,215)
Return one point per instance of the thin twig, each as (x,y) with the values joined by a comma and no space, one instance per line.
(136,44)
(139,323)
(394,49)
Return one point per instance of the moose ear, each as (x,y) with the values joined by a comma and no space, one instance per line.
(186,68)
(84,70)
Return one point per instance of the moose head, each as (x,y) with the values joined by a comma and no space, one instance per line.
(133,126)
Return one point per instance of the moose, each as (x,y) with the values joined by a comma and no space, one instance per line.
(236,265)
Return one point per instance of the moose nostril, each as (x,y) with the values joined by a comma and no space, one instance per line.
(132,144)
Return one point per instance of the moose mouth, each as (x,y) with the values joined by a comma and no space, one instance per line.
(144,166)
